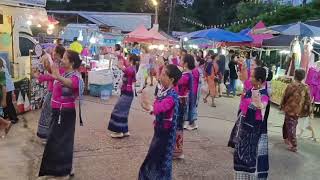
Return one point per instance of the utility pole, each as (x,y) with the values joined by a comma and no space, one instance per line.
(170,16)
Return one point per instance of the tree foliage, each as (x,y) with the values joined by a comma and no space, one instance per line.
(284,15)
(207,12)
(251,9)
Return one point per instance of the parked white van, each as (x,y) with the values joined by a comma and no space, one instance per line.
(16,40)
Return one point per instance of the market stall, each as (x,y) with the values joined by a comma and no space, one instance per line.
(96,55)
(300,54)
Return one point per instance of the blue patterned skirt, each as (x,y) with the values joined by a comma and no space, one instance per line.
(158,163)
(251,160)
(45,119)
(119,117)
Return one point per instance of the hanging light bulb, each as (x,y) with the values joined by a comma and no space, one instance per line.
(80,37)
(39,26)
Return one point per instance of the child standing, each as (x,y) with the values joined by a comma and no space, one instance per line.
(295,103)
(158,163)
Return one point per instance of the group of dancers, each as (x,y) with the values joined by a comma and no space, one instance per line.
(175,108)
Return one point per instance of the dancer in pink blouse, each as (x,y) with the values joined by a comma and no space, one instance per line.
(253,163)
(185,92)
(118,123)
(58,154)
(197,77)
(158,163)
(46,113)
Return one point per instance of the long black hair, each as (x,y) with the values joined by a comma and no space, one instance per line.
(189,59)
(260,74)
(173,72)
(74,58)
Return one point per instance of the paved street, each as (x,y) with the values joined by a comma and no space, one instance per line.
(98,157)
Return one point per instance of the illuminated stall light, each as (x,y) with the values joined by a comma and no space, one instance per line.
(93,40)
(51,26)
(285,52)
(161,47)
(29,23)
(49,31)
(80,37)
(223,51)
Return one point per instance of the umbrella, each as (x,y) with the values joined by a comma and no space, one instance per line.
(257,39)
(221,35)
(297,29)
(244,31)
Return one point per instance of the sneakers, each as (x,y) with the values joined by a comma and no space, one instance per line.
(71,173)
(185,125)
(127,134)
(179,157)
(117,135)
(43,141)
(192,127)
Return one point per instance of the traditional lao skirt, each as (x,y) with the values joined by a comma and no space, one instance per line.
(45,118)
(119,117)
(58,154)
(194,108)
(251,150)
(158,163)
(234,136)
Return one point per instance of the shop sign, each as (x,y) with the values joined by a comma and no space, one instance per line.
(41,3)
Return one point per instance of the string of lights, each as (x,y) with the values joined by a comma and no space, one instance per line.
(193,22)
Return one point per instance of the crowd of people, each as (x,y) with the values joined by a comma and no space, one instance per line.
(180,78)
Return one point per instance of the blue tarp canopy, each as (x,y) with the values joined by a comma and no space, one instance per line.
(218,35)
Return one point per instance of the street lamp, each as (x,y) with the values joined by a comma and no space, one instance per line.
(156,5)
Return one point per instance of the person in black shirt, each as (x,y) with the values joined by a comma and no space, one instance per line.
(233,75)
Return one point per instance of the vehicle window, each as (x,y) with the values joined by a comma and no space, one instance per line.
(25,45)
